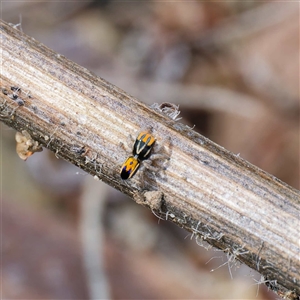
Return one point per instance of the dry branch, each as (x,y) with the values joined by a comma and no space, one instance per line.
(216,195)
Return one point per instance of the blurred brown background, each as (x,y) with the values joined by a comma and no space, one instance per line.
(233,67)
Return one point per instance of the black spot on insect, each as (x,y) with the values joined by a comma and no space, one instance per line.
(125,174)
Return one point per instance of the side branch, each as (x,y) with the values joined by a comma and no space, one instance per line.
(216,195)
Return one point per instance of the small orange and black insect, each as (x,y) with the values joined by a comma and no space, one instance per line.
(141,151)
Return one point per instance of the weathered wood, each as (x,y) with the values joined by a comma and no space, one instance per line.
(216,195)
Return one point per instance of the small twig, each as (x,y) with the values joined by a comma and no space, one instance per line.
(92,203)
